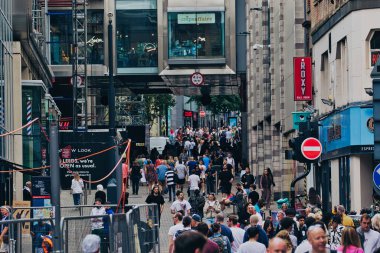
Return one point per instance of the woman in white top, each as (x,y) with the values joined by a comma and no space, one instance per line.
(76,188)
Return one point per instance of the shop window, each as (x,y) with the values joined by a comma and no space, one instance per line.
(196,35)
(61,37)
(136,38)
(375,47)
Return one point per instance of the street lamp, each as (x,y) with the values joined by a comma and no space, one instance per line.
(328,102)
(256,9)
(111,90)
(369,91)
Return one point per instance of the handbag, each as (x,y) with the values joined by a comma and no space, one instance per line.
(176,178)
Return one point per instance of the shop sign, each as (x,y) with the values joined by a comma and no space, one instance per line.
(188,114)
(196,18)
(371,124)
(374,56)
(303,85)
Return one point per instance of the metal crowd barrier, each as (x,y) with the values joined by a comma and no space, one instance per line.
(23,234)
(143,229)
(134,231)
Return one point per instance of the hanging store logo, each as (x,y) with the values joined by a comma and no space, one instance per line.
(196,18)
(303,86)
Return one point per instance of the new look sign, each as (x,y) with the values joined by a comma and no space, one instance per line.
(196,18)
(303,85)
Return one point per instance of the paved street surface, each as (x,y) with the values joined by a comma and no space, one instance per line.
(166,218)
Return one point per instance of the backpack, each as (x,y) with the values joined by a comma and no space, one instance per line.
(179,232)
(221,242)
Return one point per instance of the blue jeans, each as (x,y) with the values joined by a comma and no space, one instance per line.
(76,198)
(171,191)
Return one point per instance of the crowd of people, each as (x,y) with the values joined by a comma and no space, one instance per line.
(196,165)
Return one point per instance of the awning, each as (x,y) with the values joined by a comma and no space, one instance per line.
(6,165)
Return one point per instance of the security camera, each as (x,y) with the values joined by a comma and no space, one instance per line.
(110,14)
(106,73)
(257,46)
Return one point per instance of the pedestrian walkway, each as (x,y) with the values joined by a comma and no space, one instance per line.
(166,218)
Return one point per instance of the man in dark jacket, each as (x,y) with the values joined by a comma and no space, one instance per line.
(197,203)
(263,238)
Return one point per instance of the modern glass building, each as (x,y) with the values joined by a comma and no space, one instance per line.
(6,39)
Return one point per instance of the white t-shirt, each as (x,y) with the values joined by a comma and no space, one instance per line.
(249,247)
(194,182)
(77,186)
(238,234)
(180,205)
(174,229)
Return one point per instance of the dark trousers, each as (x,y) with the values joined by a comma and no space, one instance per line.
(210,184)
(76,198)
(135,185)
(103,242)
(171,192)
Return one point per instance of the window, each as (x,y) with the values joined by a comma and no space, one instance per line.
(375,47)
(62,37)
(196,35)
(136,38)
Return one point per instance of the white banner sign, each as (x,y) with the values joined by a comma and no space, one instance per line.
(196,18)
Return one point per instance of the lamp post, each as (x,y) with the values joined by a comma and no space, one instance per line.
(111,89)
(111,104)
(55,177)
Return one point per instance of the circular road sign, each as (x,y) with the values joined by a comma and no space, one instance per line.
(311,148)
(202,114)
(197,79)
(376,176)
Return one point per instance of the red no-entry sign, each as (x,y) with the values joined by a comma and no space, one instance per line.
(311,148)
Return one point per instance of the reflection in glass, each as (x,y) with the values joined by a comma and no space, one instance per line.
(196,35)
(136,38)
(61,37)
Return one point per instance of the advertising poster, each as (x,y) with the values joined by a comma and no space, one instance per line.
(85,155)
(20,213)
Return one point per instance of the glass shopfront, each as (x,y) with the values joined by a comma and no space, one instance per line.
(62,37)
(196,35)
(136,38)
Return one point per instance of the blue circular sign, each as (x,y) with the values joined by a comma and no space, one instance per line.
(376,176)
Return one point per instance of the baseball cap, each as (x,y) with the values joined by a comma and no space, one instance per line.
(196,217)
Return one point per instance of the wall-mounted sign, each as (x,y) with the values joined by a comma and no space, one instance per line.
(188,114)
(371,124)
(196,18)
(197,79)
(374,56)
(303,85)
(41,188)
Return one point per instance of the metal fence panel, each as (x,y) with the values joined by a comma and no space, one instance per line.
(75,229)
(143,227)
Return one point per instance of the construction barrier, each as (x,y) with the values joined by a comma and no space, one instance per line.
(134,231)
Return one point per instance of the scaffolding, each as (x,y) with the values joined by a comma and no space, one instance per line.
(79,65)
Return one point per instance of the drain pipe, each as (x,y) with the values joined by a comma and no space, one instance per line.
(293,183)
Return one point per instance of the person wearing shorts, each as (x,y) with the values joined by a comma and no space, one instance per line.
(181,171)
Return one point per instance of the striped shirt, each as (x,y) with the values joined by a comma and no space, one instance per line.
(169,175)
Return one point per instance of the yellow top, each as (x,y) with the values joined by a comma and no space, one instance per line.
(347,221)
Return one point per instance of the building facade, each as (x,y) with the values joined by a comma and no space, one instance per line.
(346,42)
(276,36)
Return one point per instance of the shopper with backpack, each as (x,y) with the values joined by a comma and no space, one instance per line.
(222,241)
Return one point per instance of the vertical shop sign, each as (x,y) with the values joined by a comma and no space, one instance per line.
(303,86)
